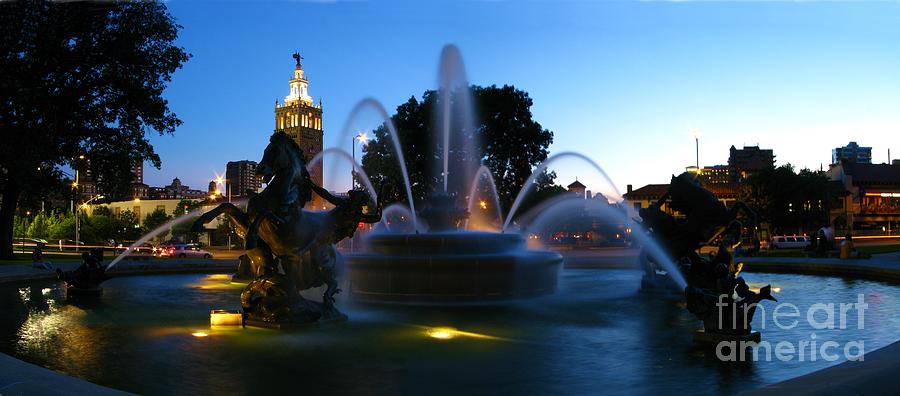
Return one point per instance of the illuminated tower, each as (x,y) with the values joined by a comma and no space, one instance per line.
(302,120)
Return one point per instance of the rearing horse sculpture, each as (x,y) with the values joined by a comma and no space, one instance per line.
(290,249)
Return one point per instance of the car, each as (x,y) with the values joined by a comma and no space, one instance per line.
(143,249)
(791,242)
(29,242)
(188,250)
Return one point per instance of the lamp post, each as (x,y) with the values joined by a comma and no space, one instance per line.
(363,138)
(223,185)
(696,135)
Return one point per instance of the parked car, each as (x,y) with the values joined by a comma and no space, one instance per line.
(144,249)
(28,242)
(188,250)
(791,242)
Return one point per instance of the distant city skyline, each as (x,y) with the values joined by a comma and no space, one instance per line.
(621,82)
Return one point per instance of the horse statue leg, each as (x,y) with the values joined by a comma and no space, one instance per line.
(325,259)
(252,235)
(238,217)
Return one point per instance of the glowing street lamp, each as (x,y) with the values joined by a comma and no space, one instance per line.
(362,137)
(696,134)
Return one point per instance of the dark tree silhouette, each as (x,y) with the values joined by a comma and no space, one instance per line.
(82,78)
(788,201)
(512,144)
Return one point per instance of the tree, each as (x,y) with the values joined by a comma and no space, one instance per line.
(512,144)
(155,219)
(129,226)
(790,202)
(543,189)
(89,78)
(183,231)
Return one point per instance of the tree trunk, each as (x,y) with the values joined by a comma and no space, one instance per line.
(11,194)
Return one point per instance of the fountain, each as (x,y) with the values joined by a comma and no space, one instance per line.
(448,264)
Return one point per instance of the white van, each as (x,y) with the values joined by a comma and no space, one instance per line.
(791,242)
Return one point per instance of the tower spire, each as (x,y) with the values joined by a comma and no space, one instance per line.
(299,85)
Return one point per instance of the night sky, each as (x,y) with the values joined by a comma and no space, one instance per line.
(622,82)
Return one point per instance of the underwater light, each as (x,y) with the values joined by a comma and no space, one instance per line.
(224,317)
(442,333)
(447,333)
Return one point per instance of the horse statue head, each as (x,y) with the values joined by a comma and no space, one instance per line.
(283,169)
(685,192)
(281,154)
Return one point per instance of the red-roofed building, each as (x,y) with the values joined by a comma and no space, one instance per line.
(649,194)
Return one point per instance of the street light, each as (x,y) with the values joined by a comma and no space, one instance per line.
(77,224)
(221,183)
(363,138)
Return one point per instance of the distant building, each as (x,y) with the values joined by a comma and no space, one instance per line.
(241,179)
(176,190)
(302,120)
(852,153)
(137,172)
(871,197)
(212,188)
(749,160)
(138,188)
(716,175)
(577,188)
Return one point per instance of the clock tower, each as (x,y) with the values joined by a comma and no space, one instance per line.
(301,119)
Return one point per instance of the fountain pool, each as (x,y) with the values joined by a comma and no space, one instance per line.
(147,335)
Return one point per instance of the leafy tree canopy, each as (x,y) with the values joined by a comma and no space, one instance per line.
(505,137)
(89,79)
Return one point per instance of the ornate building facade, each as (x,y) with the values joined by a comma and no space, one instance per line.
(301,119)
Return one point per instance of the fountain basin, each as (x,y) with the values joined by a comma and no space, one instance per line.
(450,268)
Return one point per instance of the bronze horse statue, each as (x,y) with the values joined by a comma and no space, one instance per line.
(705,217)
(711,282)
(290,249)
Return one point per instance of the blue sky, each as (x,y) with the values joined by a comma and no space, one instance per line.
(621,82)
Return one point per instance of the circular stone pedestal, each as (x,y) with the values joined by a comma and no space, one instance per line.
(455,267)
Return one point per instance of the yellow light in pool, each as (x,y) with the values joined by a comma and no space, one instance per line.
(199,334)
(442,333)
